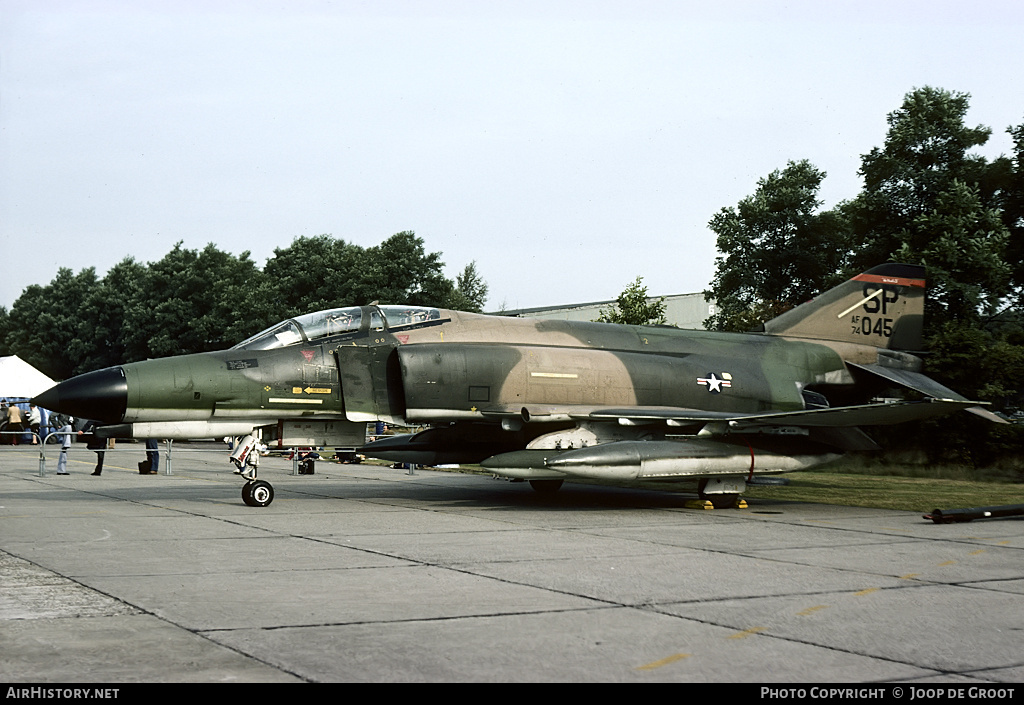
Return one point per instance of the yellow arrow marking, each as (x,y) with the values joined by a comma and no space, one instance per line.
(318,390)
(812,610)
(663,662)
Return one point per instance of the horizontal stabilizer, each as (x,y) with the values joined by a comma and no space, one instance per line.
(835,417)
(925,385)
(863,415)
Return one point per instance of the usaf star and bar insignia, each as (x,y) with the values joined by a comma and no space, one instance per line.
(714,383)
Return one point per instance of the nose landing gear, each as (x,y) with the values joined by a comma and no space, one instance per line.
(255,493)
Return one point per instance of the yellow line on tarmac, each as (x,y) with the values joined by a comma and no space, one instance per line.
(747,632)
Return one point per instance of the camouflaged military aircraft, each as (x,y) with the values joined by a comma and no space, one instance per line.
(548,401)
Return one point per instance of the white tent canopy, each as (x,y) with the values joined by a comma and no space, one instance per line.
(20,379)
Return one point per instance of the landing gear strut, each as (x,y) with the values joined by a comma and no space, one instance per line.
(255,493)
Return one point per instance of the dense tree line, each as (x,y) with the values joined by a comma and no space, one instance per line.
(926,199)
(201,300)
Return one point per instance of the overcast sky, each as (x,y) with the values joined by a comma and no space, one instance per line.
(566,147)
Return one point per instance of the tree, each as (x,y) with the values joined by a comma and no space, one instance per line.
(777,250)
(922,203)
(118,290)
(322,272)
(5,327)
(635,308)
(472,289)
(962,244)
(926,148)
(312,274)
(189,302)
(1009,195)
(399,271)
(53,327)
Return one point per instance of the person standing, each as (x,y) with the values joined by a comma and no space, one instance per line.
(14,423)
(152,457)
(94,443)
(65,444)
(35,420)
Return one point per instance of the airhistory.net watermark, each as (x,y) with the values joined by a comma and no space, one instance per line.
(39,693)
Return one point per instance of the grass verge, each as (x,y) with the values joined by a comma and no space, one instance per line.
(889,492)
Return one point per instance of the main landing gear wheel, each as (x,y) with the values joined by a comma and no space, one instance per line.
(719,500)
(257,493)
(546,486)
(723,501)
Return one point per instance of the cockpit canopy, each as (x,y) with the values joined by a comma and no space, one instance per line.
(337,321)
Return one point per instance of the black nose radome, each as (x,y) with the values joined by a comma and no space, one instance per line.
(100,396)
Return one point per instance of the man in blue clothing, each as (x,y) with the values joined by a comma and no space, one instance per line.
(152,458)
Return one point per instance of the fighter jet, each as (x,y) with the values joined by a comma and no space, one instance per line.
(550,401)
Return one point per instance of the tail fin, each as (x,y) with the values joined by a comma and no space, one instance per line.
(883,307)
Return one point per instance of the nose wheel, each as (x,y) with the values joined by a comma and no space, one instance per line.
(257,493)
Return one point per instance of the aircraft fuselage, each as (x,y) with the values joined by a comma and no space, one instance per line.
(457,367)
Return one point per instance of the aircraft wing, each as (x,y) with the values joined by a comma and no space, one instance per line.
(837,417)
